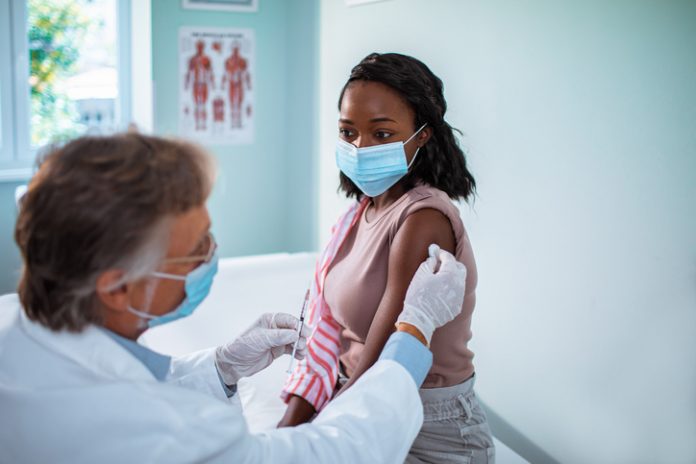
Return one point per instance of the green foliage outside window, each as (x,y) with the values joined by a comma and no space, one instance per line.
(57,30)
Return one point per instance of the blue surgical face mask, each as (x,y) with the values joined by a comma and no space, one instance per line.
(375,169)
(197,287)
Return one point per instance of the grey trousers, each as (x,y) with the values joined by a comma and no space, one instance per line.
(455,429)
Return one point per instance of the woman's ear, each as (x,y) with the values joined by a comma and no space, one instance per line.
(111,295)
(424,136)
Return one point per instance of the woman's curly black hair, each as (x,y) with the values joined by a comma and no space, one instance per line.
(441,162)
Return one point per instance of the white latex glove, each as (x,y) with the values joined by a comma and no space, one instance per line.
(271,336)
(436,294)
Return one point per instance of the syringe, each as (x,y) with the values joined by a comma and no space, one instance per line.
(299,331)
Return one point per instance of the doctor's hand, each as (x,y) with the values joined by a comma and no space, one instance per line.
(271,336)
(436,293)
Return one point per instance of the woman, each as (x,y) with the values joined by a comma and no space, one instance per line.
(399,159)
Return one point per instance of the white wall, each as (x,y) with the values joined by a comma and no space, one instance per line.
(580,122)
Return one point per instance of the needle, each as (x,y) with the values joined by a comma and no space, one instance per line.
(302,316)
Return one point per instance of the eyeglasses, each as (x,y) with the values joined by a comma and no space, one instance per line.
(208,244)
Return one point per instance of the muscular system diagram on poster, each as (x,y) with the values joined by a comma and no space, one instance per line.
(216,92)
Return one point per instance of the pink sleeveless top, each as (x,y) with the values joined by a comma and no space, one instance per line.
(357,279)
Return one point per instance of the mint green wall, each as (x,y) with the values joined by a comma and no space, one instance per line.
(303,121)
(9,255)
(263,200)
(579,118)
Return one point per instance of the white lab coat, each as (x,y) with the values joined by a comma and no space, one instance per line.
(81,397)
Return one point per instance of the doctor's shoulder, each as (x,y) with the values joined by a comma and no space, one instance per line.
(9,309)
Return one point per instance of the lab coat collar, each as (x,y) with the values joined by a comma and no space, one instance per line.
(92,349)
(156,363)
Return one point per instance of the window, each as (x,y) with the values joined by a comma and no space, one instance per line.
(64,73)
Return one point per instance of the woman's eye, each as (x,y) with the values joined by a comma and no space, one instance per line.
(383,134)
(346,133)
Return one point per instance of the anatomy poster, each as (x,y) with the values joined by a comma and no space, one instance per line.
(216,85)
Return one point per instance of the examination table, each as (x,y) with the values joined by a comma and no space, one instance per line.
(244,289)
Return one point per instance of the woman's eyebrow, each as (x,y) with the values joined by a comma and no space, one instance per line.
(379,119)
(382,119)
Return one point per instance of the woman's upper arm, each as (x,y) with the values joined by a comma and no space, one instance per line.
(408,250)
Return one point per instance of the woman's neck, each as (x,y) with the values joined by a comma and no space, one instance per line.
(386,199)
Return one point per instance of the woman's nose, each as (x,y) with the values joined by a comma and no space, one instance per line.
(361,142)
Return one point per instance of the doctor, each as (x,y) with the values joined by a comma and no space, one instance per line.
(115,239)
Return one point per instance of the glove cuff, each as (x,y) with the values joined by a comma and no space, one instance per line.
(415,317)
(226,372)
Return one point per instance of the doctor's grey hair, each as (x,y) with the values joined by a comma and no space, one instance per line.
(98,204)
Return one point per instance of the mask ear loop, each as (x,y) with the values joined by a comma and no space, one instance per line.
(414,158)
(417,149)
(144,312)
